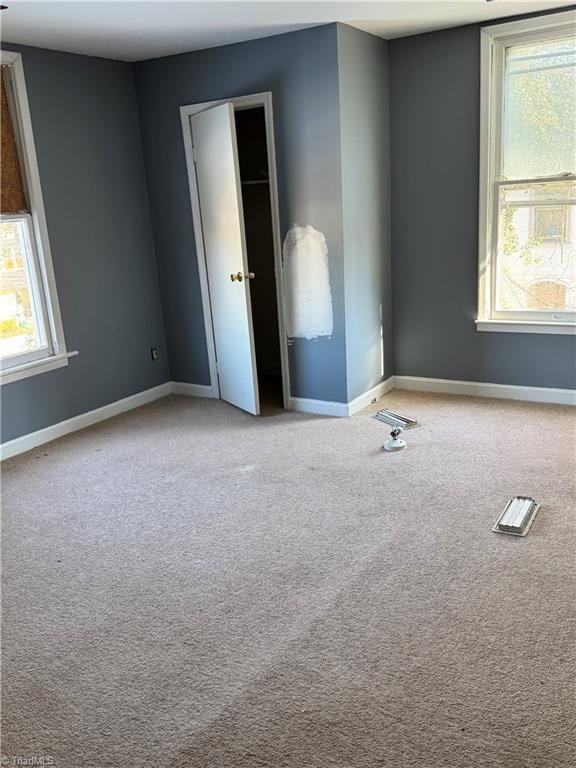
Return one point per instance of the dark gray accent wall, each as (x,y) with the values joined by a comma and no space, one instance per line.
(301,71)
(434,107)
(85,123)
(365,148)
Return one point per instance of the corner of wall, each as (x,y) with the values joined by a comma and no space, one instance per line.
(365,148)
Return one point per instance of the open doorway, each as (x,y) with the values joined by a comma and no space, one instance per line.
(231,163)
(255,181)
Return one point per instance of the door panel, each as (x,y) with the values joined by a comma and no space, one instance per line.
(220,195)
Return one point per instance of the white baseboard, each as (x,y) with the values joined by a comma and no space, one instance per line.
(321,407)
(41,436)
(370,396)
(487,389)
(194,390)
(331,408)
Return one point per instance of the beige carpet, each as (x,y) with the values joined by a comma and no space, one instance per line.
(186,586)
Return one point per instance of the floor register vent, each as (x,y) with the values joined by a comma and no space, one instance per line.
(395,419)
(517,517)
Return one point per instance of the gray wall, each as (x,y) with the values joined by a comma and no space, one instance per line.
(301,70)
(85,124)
(365,141)
(329,86)
(434,107)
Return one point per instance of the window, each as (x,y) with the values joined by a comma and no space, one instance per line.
(528,176)
(31,336)
(22,326)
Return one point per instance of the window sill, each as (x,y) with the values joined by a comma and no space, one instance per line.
(525,326)
(35,367)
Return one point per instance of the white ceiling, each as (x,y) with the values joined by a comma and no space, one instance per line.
(133,30)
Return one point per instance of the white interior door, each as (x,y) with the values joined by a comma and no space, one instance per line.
(220,195)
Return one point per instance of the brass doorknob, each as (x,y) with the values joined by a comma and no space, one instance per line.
(250,276)
(238,276)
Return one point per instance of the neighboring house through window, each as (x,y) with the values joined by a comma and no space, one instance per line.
(551,224)
(549,294)
(528,176)
(31,334)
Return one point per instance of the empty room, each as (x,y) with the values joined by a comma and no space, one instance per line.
(288,384)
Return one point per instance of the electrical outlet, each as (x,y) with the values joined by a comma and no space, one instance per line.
(154,354)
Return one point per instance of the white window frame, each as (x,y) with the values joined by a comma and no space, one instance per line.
(494,40)
(53,353)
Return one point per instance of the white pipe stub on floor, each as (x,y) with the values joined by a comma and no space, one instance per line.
(399,424)
(394,443)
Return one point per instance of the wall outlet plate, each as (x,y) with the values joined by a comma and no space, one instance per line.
(154,354)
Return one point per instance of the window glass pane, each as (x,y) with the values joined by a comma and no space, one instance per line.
(539,131)
(21,328)
(536,264)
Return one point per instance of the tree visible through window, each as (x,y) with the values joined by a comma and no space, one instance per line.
(21,321)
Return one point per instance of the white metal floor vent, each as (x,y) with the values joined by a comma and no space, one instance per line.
(395,419)
(517,517)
